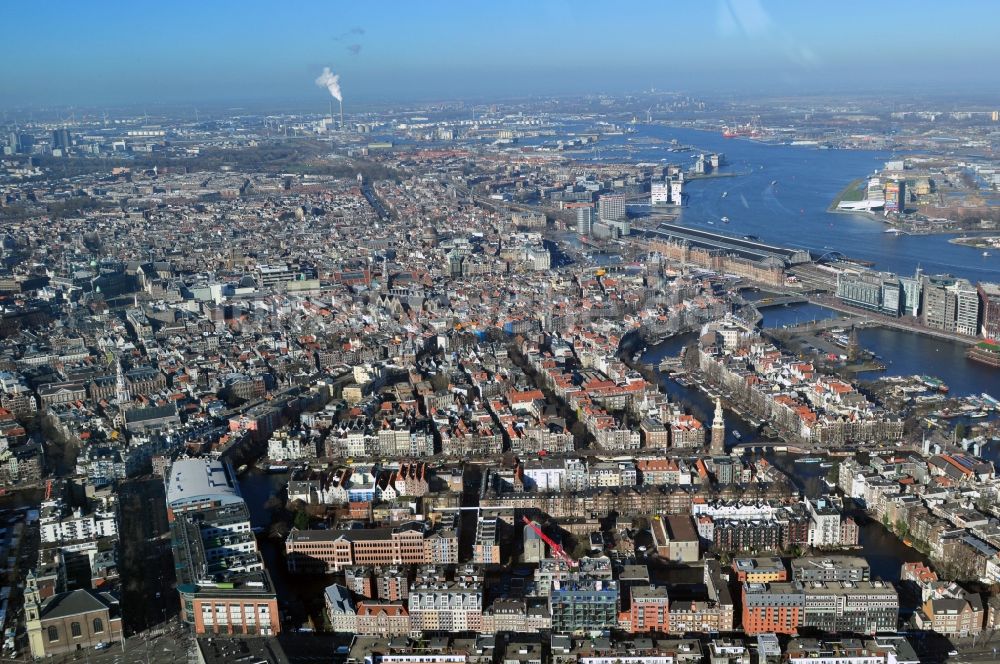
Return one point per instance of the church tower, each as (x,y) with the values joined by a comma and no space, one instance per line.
(121,393)
(718,444)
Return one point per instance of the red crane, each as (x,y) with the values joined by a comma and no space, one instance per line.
(556,548)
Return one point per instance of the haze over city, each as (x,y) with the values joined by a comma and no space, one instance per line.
(112,52)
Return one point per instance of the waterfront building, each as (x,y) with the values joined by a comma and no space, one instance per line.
(989,307)
(876,291)
(659,193)
(912,288)
(810,569)
(223,585)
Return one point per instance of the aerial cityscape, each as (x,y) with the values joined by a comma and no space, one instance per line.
(462,333)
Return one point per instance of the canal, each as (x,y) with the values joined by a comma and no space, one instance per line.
(299,597)
(884,551)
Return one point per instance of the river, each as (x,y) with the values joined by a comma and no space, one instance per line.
(781,194)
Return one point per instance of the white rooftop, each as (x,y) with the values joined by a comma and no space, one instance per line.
(200,480)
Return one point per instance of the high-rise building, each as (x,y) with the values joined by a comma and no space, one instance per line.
(611,207)
(989,308)
(61,139)
(895,196)
(951,304)
(912,289)
(936,309)
(584,220)
(966,308)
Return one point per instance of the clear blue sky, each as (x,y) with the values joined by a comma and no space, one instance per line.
(96,52)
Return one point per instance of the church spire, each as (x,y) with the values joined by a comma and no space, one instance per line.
(718,444)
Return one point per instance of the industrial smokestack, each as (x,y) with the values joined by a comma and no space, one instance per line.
(341,115)
(331,82)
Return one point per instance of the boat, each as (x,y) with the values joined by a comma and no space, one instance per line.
(978,414)
(808,460)
(986,253)
(774,182)
(826,464)
(277,468)
(737,435)
(725,220)
(725,193)
(242,469)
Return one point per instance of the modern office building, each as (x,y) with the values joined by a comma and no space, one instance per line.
(989,308)
(584,605)
(223,586)
(875,291)
(659,193)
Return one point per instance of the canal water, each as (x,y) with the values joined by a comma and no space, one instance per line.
(781,193)
(904,353)
(296,595)
(693,401)
(884,551)
(795,314)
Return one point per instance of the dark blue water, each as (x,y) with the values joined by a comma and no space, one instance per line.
(793,210)
(907,353)
(795,314)
(692,400)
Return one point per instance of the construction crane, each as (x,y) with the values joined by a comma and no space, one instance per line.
(554,546)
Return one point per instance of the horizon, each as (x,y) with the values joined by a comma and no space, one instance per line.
(109,55)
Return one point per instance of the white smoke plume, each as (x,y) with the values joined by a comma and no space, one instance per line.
(331,82)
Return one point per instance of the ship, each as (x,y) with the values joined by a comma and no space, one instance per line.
(725,193)
(751,129)
(277,468)
(725,220)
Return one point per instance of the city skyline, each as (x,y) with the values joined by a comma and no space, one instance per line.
(105,53)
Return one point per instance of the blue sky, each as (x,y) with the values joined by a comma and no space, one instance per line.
(61,52)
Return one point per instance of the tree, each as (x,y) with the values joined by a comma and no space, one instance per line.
(440,382)
(961,430)
(833,476)
(301,520)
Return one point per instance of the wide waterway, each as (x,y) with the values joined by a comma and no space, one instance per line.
(782,196)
